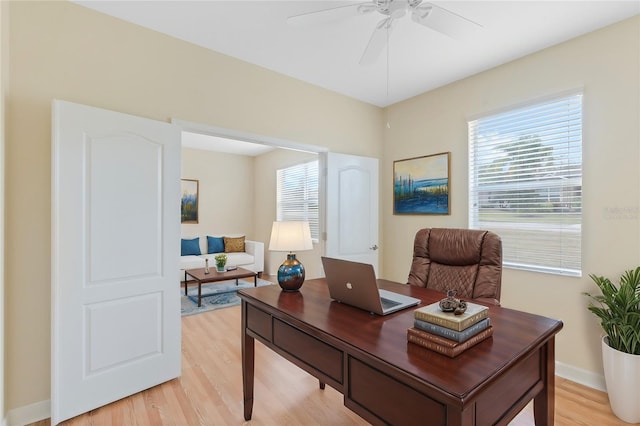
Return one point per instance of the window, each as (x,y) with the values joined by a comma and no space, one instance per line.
(297,195)
(525,183)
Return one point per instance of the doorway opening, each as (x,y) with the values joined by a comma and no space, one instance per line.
(237,180)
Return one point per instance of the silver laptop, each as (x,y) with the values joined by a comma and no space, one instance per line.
(355,284)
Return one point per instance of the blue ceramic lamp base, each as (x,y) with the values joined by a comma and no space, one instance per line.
(291,274)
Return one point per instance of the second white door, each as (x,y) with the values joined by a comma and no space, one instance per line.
(352,208)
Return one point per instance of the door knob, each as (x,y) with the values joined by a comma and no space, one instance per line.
(374,247)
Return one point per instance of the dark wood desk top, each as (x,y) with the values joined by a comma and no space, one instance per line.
(516,334)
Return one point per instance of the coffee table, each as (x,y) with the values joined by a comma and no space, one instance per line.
(213,276)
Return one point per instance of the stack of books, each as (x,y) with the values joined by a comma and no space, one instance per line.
(447,333)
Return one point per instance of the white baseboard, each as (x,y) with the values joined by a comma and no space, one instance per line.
(583,377)
(29,413)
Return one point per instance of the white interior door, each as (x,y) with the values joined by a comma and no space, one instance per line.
(352,208)
(115,248)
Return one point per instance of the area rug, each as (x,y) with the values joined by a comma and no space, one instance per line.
(214,296)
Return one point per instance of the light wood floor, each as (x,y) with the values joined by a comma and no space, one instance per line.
(209,392)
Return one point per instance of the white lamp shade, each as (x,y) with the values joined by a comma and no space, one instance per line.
(290,236)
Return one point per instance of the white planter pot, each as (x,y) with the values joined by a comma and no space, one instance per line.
(622,376)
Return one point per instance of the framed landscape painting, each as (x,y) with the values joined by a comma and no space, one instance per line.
(189,201)
(421,185)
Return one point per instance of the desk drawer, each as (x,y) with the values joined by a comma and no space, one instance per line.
(308,349)
(508,390)
(259,322)
(389,400)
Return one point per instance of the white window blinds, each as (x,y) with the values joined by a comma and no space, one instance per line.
(525,183)
(297,195)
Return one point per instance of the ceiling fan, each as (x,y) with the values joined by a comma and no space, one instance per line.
(423,13)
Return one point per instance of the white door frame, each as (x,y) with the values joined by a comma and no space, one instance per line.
(222,132)
(279,143)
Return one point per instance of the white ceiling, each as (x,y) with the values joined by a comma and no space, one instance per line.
(327,55)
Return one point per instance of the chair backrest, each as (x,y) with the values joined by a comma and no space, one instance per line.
(466,260)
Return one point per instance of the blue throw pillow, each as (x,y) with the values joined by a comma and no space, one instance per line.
(190,247)
(215,245)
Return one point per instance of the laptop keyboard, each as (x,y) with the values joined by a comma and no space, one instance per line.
(386,303)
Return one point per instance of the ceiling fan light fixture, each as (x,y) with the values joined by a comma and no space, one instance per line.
(398,8)
(383,6)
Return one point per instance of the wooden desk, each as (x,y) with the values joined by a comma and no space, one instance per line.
(387,380)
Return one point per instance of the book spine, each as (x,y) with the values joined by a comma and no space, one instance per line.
(453,325)
(448,350)
(439,340)
(458,336)
(430,345)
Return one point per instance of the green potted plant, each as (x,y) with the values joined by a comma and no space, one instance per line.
(221,261)
(618,308)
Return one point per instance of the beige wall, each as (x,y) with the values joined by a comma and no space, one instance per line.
(266,166)
(226,193)
(607,64)
(4,76)
(62,50)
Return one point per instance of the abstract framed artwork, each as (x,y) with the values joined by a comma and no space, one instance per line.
(421,185)
(189,201)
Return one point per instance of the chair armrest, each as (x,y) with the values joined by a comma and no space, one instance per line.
(256,248)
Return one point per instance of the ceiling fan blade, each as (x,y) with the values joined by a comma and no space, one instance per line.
(377,42)
(364,8)
(444,21)
(326,15)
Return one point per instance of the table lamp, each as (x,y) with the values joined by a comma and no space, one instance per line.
(291,237)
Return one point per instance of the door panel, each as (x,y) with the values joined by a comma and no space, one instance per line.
(356,226)
(115,253)
(352,208)
(137,196)
(134,318)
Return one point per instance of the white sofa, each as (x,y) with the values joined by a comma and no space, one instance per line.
(252,258)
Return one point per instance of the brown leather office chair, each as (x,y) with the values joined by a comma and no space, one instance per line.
(466,260)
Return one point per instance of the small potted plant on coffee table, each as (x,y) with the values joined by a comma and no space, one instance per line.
(221,261)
